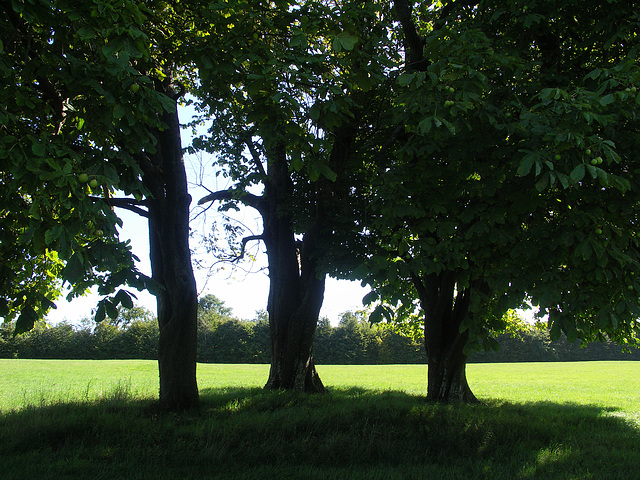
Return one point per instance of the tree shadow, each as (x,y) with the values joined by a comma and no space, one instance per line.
(346,433)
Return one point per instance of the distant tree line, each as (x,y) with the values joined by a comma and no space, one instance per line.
(223,338)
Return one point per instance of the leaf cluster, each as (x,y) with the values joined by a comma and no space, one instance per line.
(78,106)
(516,171)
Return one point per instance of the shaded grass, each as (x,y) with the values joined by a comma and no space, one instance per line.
(538,421)
(248,433)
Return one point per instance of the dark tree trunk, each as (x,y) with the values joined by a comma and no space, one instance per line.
(296,289)
(165,177)
(445,310)
(446,375)
(295,299)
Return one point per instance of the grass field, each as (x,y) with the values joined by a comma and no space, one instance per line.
(79,419)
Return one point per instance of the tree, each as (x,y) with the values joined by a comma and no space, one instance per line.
(52,137)
(210,305)
(93,112)
(127,316)
(490,91)
(289,98)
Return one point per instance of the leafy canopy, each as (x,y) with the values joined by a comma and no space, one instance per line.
(515,176)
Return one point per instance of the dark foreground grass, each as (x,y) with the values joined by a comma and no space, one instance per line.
(349,433)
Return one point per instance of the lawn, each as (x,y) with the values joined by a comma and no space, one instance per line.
(79,419)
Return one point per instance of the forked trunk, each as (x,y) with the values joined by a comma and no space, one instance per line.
(295,298)
(296,289)
(445,309)
(292,365)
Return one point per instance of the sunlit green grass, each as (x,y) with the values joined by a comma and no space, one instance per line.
(617,384)
(97,419)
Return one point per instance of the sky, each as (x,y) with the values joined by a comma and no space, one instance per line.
(245,293)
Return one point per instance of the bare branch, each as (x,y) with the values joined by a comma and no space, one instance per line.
(246,240)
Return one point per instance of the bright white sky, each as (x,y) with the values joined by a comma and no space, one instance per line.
(244,292)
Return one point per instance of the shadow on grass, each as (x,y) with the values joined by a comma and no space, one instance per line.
(346,434)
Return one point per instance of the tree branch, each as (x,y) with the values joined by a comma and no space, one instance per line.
(255,201)
(450,7)
(256,156)
(413,44)
(130,204)
(246,240)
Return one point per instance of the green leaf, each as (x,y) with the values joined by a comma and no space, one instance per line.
(168,104)
(46,304)
(607,99)
(593,74)
(526,164)
(296,160)
(119,111)
(73,271)
(100,312)
(556,330)
(111,48)
(328,173)
(369,298)
(379,313)
(86,33)
(38,149)
(563,180)
(123,297)
(376,315)
(344,41)
(314,173)
(348,41)
(25,321)
(543,182)
(111,309)
(577,174)
(405,79)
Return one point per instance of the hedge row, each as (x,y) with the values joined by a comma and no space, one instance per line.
(234,341)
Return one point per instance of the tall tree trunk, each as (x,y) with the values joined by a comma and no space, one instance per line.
(296,289)
(295,299)
(445,310)
(171,267)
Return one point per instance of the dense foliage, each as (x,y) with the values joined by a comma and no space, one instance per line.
(66,138)
(229,340)
(513,177)
(494,166)
(89,122)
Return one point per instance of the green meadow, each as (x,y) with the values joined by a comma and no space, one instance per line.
(97,419)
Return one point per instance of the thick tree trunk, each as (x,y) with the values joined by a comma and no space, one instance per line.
(445,310)
(294,306)
(446,375)
(296,289)
(171,268)
(292,365)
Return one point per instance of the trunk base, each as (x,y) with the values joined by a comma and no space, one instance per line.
(305,378)
(449,385)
